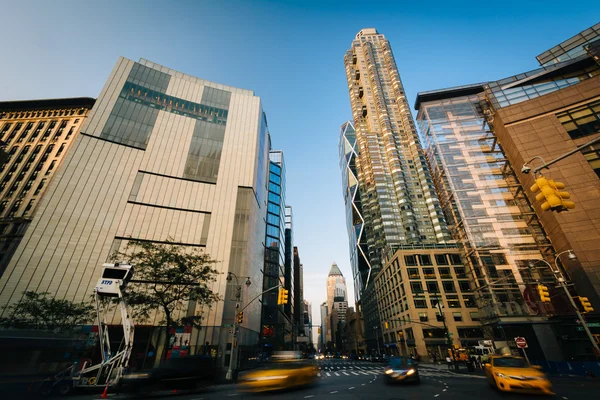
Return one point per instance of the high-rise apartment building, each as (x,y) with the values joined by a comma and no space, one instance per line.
(289,282)
(163,155)
(323,335)
(477,138)
(400,208)
(36,135)
(299,302)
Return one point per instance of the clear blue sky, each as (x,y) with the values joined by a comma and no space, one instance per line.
(291,54)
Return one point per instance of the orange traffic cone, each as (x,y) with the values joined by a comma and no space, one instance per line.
(105,393)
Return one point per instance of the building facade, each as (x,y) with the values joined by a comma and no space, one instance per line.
(299,302)
(272,315)
(323,331)
(163,155)
(418,291)
(36,135)
(477,139)
(400,208)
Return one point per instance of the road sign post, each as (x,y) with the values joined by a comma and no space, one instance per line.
(522,344)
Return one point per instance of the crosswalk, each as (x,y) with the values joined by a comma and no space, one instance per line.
(349,369)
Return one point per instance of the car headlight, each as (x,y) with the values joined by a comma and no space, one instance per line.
(389,371)
(410,371)
(501,375)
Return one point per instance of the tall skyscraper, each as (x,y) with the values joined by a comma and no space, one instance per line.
(37,135)
(337,301)
(163,155)
(400,208)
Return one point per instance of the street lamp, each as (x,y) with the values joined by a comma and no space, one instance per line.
(238,296)
(563,283)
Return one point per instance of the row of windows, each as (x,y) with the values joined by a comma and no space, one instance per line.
(429,272)
(41,114)
(425,259)
(581,121)
(457,316)
(36,132)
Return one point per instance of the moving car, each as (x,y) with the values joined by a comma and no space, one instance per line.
(177,373)
(284,371)
(402,369)
(513,374)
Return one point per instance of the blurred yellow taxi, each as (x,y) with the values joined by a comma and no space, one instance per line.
(285,371)
(514,374)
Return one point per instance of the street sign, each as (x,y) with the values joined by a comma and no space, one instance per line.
(521,342)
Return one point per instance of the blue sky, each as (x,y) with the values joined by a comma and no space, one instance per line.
(291,54)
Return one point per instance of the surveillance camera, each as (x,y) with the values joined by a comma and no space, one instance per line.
(526,169)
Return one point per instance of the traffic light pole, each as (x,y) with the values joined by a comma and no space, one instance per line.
(563,284)
(233,356)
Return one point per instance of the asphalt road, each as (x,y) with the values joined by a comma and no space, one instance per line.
(354,380)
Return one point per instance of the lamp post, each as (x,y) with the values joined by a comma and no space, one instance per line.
(563,283)
(238,296)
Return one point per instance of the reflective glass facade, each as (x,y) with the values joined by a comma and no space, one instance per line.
(355,223)
(493,222)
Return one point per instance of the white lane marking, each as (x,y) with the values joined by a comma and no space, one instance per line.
(444,390)
(364,373)
(565,398)
(363,384)
(308,397)
(350,388)
(336,374)
(436,395)
(328,374)
(335,391)
(345,373)
(354,373)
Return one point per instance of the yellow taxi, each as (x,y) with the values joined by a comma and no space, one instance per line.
(514,374)
(282,372)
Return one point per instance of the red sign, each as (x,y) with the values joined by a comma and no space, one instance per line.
(521,342)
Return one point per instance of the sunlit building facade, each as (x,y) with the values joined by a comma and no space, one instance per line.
(162,156)
(36,135)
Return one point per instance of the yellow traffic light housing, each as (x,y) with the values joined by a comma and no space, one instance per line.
(544,293)
(555,200)
(283,297)
(240,317)
(386,325)
(585,304)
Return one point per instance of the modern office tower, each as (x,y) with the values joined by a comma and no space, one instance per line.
(323,335)
(399,205)
(299,302)
(337,304)
(36,135)
(355,223)
(163,155)
(477,138)
(273,319)
(307,321)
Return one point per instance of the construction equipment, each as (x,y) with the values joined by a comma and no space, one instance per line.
(111,285)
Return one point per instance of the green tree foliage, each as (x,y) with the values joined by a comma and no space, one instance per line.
(38,311)
(171,276)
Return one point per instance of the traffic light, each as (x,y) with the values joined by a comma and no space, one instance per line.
(555,200)
(319,331)
(585,304)
(283,297)
(240,317)
(544,293)
(386,325)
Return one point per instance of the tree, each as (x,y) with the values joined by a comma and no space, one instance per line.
(37,311)
(166,278)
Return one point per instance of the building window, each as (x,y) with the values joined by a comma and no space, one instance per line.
(592,155)
(464,286)
(581,121)
(29,207)
(455,259)
(457,316)
(51,167)
(469,301)
(432,287)
(438,317)
(429,273)
(423,317)
(453,301)
(440,259)
(444,273)
(60,149)
(460,272)
(420,303)
(474,316)
(3,206)
(410,260)
(413,273)
(449,287)
(416,287)
(425,259)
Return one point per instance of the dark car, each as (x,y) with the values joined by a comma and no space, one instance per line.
(187,373)
(402,369)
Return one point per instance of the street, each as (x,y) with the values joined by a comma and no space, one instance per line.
(341,379)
